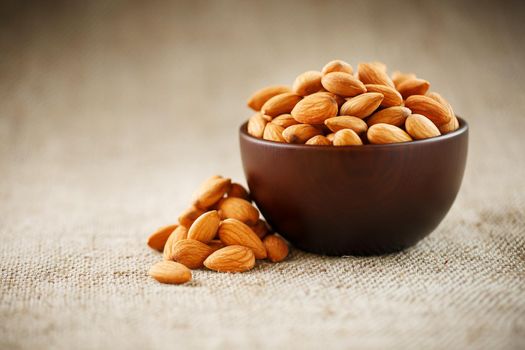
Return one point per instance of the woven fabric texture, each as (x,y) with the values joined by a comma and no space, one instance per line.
(111,113)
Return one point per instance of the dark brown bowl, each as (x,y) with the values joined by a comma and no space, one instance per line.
(355,200)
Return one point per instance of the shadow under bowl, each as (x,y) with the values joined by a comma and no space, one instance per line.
(355,200)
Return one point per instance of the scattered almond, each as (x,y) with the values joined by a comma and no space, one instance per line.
(314,109)
(308,83)
(190,253)
(211,191)
(280,104)
(346,122)
(180,233)
(158,239)
(235,232)
(347,137)
(238,191)
(205,227)
(238,208)
(261,228)
(343,84)
(234,258)
(188,216)
(259,97)
(420,127)
(276,248)
(170,272)
(386,133)
(392,115)
(363,105)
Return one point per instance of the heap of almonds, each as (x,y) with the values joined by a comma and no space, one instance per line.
(221,230)
(340,108)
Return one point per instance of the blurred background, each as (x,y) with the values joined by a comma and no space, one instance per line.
(112,112)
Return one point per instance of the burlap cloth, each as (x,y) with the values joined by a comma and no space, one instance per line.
(111,114)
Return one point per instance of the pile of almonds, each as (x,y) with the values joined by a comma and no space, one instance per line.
(221,230)
(337,107)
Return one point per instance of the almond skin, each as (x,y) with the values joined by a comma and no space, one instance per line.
(238,208)
(337,66)
(391,115)
(453,124)
(391,97)
(413,86)
(261,228)
(343,84)
(276,248)
(210,192)
(280,104)
(300,133)
(363,105)
(428,107)
(420,127)
(319,140)
(190,253)
(284,120)
(189,215)
(180,233)
(238,191)
(273,132)
(372,73)
(158,239)
(235,232)
(385,133)
(347,137)
(399,77)
(170,272)
(346,122)
(314,109)
(330,137)
(257,100)
(205,227)
(256,125)
(234,258)
(338,99)
(216,244)
(307,83)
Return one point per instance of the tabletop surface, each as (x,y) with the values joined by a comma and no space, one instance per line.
(111,114)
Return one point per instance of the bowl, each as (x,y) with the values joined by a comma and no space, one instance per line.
(355,200)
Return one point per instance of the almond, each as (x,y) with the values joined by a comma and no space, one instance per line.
(190,253)
(284,120)
(453,124)
(205,227)
(276,248)
(273,132)
(314,109)
(170,272)
(189,215)
(413,86)
(238,191)
(235,232)
(399,77)
(234,258)
(330,137)
(256,125)
(338,99)
(392,115)
(428,107)
(386,133)
(238,208)
(391,97)
(420,127)
(300,133)
(180,233)
(261,228)
(372,73)
(343,84)
(346,122)
(280,104)
(347,137)
(363,105)
(259,97)
(158,239)
(337,66)
(216,244)
(211,191)
(319,140)
(308,83)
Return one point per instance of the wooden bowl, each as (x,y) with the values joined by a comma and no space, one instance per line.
(355,200)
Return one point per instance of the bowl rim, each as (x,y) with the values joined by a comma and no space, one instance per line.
(463,128)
